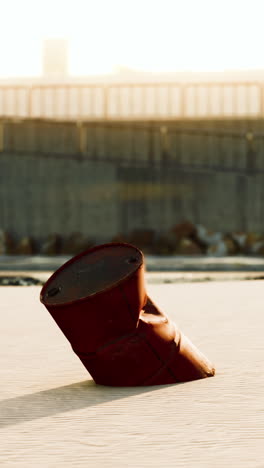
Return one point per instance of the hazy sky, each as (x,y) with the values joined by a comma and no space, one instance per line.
(150,35)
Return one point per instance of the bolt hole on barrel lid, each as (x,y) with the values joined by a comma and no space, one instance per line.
(100,302)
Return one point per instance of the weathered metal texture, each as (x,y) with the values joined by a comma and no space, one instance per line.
(119,334)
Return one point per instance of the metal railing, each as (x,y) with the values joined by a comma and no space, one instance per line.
(142,101)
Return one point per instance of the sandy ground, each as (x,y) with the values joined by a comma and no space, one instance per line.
(53,415)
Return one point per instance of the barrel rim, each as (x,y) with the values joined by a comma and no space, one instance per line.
(82,254)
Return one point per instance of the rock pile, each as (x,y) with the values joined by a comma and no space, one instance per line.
(53,244)
(6,243)
(25,247)
(19,281)
(187,238)
(184,238)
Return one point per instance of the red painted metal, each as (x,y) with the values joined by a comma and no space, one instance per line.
(99,301)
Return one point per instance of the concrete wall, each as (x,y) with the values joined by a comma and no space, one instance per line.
(220,200)
(40,196)
(65,178)
(221,143)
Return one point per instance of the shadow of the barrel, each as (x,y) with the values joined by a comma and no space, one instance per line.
(63,399)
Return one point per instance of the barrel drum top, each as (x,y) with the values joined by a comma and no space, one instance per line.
(90,273)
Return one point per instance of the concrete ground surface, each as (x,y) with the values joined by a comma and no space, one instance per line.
(53,415)
(155,263)
(154,277)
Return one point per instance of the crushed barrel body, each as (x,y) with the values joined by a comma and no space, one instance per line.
(99,301)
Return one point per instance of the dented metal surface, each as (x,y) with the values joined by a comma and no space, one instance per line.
(99,301)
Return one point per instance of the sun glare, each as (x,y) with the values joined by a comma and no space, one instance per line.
(145,35)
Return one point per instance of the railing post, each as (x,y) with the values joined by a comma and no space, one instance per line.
(29,102)
(183,101)
(105,97)
(261,107)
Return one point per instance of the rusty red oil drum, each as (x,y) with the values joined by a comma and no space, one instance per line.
(99,301)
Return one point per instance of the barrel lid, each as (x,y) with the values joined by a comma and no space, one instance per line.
(91,272)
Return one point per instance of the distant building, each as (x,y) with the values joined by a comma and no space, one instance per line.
(55,57)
